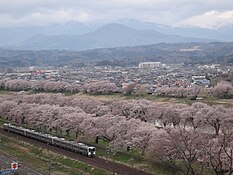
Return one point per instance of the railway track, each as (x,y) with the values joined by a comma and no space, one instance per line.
(114,167)
(5,162)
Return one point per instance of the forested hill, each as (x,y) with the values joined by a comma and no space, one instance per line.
(216,52)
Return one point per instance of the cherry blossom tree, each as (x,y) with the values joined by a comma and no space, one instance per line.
(129,88)
(140,136)
(6,107)
(38,85)
(169,115)
(17,85)
(87,104)
(101,87)
(131,109)
(181,149)
(216,117)
(218,154)
(223,90)
(192,116)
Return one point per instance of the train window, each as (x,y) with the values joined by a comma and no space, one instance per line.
(91,149)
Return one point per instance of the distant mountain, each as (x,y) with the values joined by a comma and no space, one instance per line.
(223,33)
(203,53)
(141,25)
(108,36)
(13,35)
(130,32)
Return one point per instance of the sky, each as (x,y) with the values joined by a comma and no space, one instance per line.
(198,13)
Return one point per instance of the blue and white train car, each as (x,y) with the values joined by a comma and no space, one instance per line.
(73,146)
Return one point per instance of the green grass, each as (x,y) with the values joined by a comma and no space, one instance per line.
(2,121)
(5,92)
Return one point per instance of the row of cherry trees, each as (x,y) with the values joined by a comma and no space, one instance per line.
(195,116)
(221,90)
(190,138)
(100,87)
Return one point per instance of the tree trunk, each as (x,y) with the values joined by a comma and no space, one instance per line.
(97,140)
(76,134)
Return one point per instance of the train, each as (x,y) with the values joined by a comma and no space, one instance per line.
(81,148)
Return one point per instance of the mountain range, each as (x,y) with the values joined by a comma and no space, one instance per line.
(125,32)
(223,33)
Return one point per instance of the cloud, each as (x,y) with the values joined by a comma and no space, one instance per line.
(43,17)
(211,19)
(172,12)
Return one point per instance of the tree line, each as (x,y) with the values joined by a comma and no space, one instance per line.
(223,89)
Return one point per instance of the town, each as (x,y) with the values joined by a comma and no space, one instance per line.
(151,74)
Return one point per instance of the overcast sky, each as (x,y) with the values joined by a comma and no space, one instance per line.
(203,13)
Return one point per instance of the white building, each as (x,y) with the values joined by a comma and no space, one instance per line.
(149,65)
